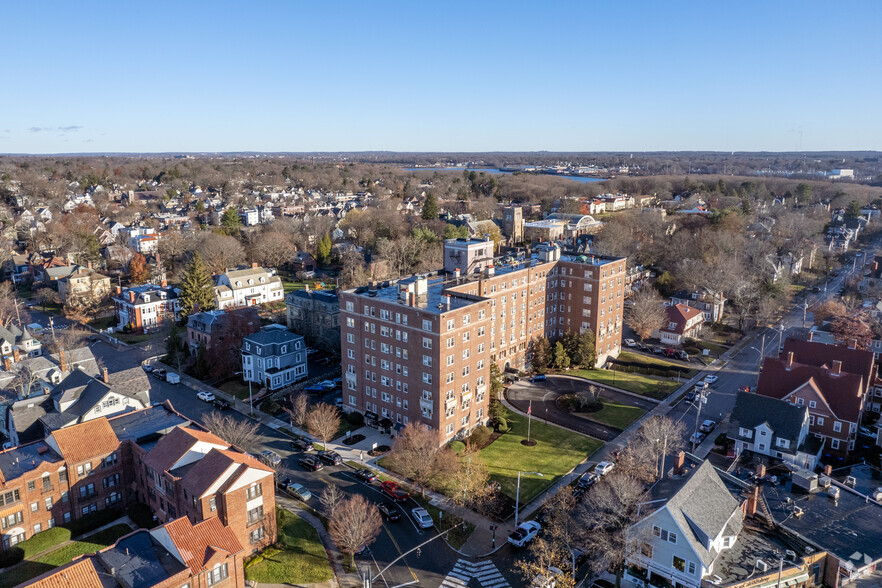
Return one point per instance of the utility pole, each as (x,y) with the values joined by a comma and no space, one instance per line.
(804,311)
(701,400)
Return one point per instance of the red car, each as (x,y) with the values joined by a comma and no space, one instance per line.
(744,388)
(669,352)
(394,491)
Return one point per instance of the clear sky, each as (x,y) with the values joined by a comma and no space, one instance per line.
(188,75)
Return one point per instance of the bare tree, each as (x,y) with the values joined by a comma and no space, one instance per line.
(323,421)
(241,433)
(658,436)
(611,508)
(564,527)
(418,454)
(299,409)
(24,379)
(470,483)
(354,524)
(646,313)
(330,498)
(8,310)
(45,296)
(220,252)
(546,557)
(272,249)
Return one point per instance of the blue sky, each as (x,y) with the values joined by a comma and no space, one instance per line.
(440,76)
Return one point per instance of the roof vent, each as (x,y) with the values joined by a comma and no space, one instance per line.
(760,564)
(790,554)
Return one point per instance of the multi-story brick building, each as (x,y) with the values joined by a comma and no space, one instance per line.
(146,307)
(154,456)
(420,349)
(315,314)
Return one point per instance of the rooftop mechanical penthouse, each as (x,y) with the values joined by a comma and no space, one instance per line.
(420,348)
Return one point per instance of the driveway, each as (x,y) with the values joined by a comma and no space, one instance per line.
(544,395)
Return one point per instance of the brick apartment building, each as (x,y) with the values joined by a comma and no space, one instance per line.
(420,349)
(146,307)
(154,456)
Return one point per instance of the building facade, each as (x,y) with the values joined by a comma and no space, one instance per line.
(247,287)
(421,349)
(83,283)
(315,314)
(274,357)
(146,307)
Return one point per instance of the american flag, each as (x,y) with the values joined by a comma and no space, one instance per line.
(530,408)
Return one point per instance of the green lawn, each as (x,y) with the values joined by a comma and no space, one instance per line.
(713,347)
(132,338)
(614,414)
(90,544)
(22,573)
(557,452)
(238,389)
(301,558)
(650,386)
(103,323)
(686,373)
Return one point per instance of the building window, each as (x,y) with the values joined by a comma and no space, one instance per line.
(218,574)
(256,535)
(679,564)
(646,550)
(834,443)
(212,504)
(692,567)
(254,491)
(837,426)
(255,514)
(812,404)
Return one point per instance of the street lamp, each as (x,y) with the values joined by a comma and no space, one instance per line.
(250,398)
(702,399)
(780,337)
(518,494)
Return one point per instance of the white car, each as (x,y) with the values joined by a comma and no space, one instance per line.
(206,396)
(630,343)
(524,533)
(603,468)
(422,518)
(711,379)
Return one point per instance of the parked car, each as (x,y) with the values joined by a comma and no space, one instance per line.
(707,426)
(328,385)
(643,347)
(603,468)
(692,396)
(701,385)
(525,533)
(270,457)
(302,445)
(744,388)
(538,378)
(206,396)
(587,480)
(578,492)
(547,579)
(338,402)
(221,404)
(711,379)
(147,367)
(422,518)
(315,389)
(697,437)
(366,476)
(389,512)
(282,481)
(658,350)
(158,373)
(630,343)
(330,457)
(298,491)
(682,355)
(311,464)
(394,491)
(669,352)
(866,432)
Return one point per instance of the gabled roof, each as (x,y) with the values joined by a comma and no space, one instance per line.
(208,470)
(79,574)
(85,441)
(171,448)
(680,314)
(199,543)
(783,418)
(855,361)
(842,392)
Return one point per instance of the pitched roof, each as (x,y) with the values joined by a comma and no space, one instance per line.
(86,440)
(140,560)
(198,543)
(204,473)
(842,392)
(171,448)
(681,314)
(855,361)
(783,418)
(79,574)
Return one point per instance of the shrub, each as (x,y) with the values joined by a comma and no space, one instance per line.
(501,425)
(270,406)
(11,556)
(480,436)
(457,446)
(355,418)
(141,514)
(44,540)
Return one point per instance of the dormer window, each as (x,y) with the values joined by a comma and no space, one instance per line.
(238,283)
(250,281)
(146,298)
(262,280)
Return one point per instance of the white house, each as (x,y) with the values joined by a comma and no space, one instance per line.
(248,287)
(684,322)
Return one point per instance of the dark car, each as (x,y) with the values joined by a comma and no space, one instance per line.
(658,350)
(587,480)
(682,355)
(221,404)
(330,457)
(815,289)
(311,464)
(643,347)
(302,445)
(282,481)
(389,512)
(578,492)
(314,390)
(366,476)
(691,397)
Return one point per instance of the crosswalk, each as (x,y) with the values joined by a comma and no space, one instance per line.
(484,572)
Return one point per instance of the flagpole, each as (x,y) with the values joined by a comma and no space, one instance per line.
(529,419)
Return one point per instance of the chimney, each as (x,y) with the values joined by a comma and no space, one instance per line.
(828,470)
(16,354)
(7,364)
(132,296)
(62,362)
(811,335)
(253,265)
(447,300)
(456,273)
(105,376)
(789,360)
(89,265)
(752,500)
(678,463)
(760,470)
(837,367)
(119,290)
(163,284)
(489,270)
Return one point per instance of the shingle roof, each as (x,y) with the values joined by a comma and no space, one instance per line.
(267,336)
(680,314)
(855,361)
(140,560)
(176,444)
(85,441)
(198,543)
(841,392)
(79,574)
(199,478)
(785,419)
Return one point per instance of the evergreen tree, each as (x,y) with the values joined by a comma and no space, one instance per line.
(200,368)
(174,346)
(323,252)
(430,208)
(230,221)
(196,288)
(585,350)
(561,359)
(540,354)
